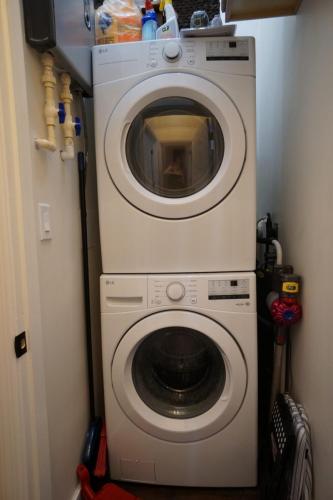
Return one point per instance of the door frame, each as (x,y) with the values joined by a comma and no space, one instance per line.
(24,455)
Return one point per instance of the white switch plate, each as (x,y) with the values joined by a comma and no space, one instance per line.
(44,221)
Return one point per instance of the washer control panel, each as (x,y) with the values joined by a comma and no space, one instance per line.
(165,291)
(221,291)
(229,292)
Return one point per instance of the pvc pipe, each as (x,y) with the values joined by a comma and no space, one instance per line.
(278,249)
(68,152)
(50,110)
(68,126)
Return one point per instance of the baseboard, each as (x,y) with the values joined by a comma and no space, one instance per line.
(77,493)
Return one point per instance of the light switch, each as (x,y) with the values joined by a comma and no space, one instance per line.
(44,221)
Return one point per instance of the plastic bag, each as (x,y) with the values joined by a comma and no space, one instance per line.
(118,21)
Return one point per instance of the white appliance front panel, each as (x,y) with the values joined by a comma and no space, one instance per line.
(226,459)
(220,240)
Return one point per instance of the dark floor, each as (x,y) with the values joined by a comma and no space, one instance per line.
(148,492)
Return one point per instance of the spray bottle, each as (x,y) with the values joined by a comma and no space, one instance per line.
(149,22)
(170,28)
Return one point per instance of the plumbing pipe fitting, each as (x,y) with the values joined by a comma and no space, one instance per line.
(278,249)
(68,125)
(50,111)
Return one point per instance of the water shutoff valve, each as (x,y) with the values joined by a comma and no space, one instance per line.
(61,112)
(77,126)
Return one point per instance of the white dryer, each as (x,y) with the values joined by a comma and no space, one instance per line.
(175,143)
(180,378)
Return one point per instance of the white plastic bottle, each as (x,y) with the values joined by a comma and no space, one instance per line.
(170,28)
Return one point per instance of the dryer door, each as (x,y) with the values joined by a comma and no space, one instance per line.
(179,376)
(175,146)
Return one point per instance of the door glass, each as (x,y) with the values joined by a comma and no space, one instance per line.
(174,147)
(178,372)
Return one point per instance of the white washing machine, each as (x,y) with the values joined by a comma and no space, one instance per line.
(180,378)
(175,143)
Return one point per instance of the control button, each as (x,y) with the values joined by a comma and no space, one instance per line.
(153,63)
(158,301)
(175,291)
(190,61)
(193,300)
(172,51)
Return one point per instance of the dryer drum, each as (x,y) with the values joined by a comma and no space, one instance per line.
(178,372)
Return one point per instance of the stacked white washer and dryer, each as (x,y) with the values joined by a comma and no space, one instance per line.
(175,143)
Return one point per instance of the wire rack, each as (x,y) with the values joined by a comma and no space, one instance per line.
(185,8)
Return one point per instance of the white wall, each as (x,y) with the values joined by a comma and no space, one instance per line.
(56,286)
(61,296)
(295,182)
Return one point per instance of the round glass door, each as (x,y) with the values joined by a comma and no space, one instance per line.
(178,372)
(179,375)
(174,147)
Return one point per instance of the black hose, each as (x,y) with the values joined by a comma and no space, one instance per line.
(84,234)
(288,362)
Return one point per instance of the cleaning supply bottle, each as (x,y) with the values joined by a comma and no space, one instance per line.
(149,22)
(170,28)
(117,21)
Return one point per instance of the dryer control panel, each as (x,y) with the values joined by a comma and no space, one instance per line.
(227,55)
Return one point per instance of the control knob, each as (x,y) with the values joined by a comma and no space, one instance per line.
(172,51)
(175,291)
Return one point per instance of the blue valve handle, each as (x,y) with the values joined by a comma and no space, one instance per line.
(77,126)
(61,112)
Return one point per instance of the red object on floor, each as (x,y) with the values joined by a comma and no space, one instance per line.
(100,467)
(107,492)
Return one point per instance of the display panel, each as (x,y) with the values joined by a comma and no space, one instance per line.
(228,289)
(227,50)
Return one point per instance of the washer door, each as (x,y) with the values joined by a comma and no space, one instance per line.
(175,146)
(179,376)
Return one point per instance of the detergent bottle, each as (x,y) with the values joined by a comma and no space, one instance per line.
(170,28)
(117,21)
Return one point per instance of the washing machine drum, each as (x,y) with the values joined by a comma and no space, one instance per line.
(179,376)
(175,146)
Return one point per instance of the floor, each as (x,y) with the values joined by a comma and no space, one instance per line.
(146,492)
